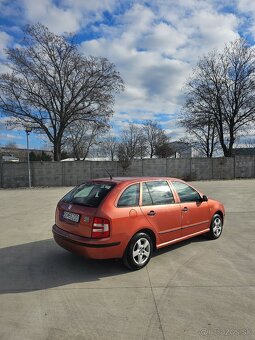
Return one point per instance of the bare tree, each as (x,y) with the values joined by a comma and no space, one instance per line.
(223,87)
(11,145)
(81,136)
(109,146)
(154,135)
(130,139)
(163,148)
(123,157)
(51,85)
(129,144)
(202,132)
(142,146)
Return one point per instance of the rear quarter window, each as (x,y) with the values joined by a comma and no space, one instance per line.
(129,197)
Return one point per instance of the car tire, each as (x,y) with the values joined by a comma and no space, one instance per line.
(216,227)
(138,251)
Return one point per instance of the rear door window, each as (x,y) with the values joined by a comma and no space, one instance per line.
(157,193)
(89,194)
(130,197)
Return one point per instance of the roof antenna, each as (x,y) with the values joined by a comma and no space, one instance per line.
(109,174)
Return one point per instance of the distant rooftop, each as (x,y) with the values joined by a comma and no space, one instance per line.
(244,152)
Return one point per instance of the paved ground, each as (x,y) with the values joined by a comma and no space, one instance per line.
(198,289)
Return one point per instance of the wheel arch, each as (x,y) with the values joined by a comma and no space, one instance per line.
(151,233)
(219,212)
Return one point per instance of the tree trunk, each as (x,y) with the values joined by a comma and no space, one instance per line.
(221,138)
(57,150)
(228,151)
(225,150)
(112,155)
(232,140)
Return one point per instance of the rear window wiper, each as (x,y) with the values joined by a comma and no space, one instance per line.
(83,204)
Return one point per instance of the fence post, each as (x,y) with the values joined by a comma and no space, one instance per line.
(90,167)
(1,173)
(63,174)
(234,167)
(190,168)
(254,167)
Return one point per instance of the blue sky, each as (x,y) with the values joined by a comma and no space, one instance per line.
(154,45)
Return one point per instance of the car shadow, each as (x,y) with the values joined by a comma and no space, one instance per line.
(42,264)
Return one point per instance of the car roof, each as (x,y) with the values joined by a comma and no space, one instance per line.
(130,180)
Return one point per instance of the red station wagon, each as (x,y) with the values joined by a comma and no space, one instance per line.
(127,218)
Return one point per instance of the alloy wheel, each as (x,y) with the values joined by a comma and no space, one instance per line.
(217,227)
(141,251)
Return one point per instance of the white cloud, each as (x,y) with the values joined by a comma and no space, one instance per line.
(155,48)
(174,130)
(8,123)
(58,19)
(246,5)
(248,8)
(67,15)
(5,39)
(153,44)
(90,5)
(4,68)
(202,28)
(9,137)
(164,38)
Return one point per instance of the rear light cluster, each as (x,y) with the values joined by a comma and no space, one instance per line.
(100,228)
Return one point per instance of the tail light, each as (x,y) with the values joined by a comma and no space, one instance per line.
(100,228)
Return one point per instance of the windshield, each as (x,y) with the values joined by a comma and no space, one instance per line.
(89,194)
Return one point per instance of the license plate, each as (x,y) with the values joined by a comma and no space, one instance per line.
(67,215)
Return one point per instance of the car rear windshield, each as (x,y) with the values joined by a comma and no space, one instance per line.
(89,194)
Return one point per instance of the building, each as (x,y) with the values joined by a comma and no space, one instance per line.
(19,155)
(8,157)
(183,150)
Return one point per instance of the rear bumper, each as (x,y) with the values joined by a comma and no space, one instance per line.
(94,249)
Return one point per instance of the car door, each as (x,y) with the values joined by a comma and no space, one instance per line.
(194,211)
(161,211)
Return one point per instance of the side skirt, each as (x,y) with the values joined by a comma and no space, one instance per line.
(182,238)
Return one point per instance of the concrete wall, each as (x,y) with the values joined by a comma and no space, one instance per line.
(14,175)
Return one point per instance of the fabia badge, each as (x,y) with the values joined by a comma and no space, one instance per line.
(86,219)
(69,207)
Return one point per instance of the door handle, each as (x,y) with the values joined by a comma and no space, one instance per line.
(185,209)
(151,213)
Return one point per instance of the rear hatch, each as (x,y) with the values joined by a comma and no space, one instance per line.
(76,211)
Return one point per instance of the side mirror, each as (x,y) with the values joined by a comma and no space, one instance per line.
(204,198)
